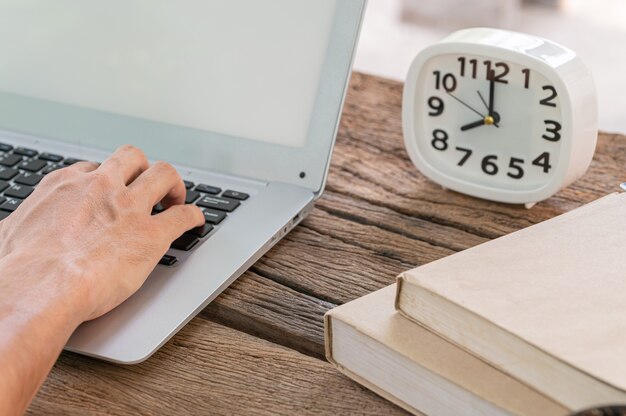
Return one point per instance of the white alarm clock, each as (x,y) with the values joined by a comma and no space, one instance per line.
(500,115)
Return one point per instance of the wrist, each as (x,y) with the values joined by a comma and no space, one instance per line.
(45,286)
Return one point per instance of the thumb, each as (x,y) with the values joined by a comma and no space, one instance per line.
(178,219)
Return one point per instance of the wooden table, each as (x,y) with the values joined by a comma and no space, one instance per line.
(258,349)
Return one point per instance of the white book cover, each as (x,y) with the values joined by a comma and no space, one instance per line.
(545,304)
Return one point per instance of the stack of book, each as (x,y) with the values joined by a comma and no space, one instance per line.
(533,323)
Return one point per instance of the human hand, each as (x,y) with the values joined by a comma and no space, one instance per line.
(88,233)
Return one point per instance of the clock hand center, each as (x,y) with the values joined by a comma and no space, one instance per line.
(493,119)
(495,116)
(486,120)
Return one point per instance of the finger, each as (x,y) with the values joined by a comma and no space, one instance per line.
(179,219)
(127,163)
(84,166)
(160,183)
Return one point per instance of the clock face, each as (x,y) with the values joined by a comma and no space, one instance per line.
(488,121)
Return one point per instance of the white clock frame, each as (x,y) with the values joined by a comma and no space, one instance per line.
(560,65)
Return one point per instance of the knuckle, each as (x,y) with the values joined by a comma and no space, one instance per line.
(125,148)
(81,166)
(136,152)
(55,176)
(59,175)
(140,155)
(100,180)
(166,169)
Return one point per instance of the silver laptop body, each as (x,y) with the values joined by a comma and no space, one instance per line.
(239,95)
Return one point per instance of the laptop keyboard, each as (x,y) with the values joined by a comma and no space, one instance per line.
(22,169)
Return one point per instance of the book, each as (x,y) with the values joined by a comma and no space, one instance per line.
(370,342)
(544,304)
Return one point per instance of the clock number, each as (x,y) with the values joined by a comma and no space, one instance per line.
(515,165)
(548,100)
(472,62)
(543,161)
(492,73)
(436,105)
(440,140)
(447,81)
(466,156)
(488,165)
(526,73)
(554,131)
(462,61)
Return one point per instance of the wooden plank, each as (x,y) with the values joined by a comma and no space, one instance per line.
(315,259)
(206,369)
(264,308)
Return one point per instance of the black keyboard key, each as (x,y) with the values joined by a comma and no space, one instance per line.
(5,147)
(192,196)
(207,189)
(10,205)
(10,160)
(71,160)
(235,195)
(213,217)
(4,214)
(185,242)
(222,204)
(2,200)
(168,260)
(25,152)
(34,165)
(30,179)
(188,184)
(50,157)
(3,185)
(18,191)
(202,231)
(7,173)
(51,168)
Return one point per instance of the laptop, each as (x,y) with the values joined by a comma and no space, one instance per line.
(243,97)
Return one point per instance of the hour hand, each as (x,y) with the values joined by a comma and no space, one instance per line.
(473,125)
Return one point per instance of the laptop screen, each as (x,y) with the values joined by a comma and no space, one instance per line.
(246,68)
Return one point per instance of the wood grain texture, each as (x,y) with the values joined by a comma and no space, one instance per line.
(258,349)
(207,369)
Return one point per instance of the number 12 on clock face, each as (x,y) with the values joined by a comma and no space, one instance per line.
(496,124)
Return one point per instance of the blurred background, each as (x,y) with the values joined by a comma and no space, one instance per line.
(395,31)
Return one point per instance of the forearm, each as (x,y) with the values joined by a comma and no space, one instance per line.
(36,319)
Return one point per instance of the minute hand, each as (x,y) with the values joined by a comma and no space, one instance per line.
(492,84)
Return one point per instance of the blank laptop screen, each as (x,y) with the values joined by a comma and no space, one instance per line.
(211,65)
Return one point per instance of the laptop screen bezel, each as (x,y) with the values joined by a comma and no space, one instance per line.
(305,166)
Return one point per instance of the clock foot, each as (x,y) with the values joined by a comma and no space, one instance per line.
(529,205)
